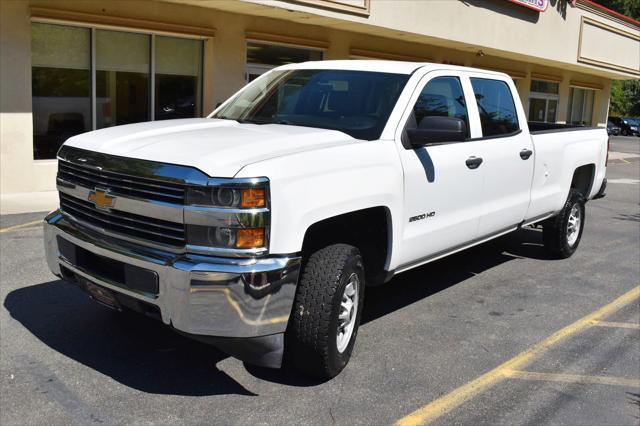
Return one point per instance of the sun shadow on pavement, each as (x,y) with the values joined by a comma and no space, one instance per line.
(634,217)
(138,352)
(424,281)
(145,354)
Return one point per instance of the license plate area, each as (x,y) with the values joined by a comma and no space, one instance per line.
(121,274)
(99,294)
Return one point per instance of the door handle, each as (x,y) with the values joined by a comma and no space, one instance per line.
(525,154)
(474,162)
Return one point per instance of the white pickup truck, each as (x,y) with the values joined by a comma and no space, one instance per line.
(258,228)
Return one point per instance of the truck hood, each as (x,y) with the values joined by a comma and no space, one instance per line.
(219,148)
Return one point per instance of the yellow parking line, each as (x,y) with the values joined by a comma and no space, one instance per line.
(630,325)
(455,398)
(22,225)
(573,378)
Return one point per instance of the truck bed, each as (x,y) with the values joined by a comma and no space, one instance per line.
(536,127)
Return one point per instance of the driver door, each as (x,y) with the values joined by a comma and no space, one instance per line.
(442,192)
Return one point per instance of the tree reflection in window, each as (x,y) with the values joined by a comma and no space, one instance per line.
(441,97)
(495,104)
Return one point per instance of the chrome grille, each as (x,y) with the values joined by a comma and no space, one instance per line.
(121,184)
(129,224)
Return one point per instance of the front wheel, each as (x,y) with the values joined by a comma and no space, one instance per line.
(561,234)
(326,311)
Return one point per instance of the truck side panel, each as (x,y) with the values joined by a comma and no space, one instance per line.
(557,156)
(312,186)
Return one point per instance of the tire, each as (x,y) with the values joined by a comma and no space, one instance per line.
(625,133)
(311,341)
(561,234)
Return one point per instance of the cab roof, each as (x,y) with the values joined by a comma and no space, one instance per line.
(395,67)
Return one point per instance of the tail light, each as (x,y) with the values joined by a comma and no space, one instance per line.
(606,162)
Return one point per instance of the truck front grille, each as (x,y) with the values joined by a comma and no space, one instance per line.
(120,184)
(128,224)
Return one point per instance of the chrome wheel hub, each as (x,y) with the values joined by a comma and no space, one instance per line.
(573,225)
(347,315)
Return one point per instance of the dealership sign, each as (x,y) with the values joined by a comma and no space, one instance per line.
(539,5)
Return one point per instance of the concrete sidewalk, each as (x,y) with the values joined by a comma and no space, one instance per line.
(28,202)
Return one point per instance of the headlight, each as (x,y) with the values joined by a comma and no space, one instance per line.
(227,197)
(230,215)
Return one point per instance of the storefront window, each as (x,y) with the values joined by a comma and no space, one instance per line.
(61,86)
(261,57)
(543,101)
(122,78)
(541,86)
(580,106)
(62,75)
(178,65)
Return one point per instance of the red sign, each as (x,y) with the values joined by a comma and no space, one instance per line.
(538,5)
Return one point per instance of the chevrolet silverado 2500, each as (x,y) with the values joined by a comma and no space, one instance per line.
(258,228)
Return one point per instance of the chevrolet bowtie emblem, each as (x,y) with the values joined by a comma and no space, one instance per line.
(101,199)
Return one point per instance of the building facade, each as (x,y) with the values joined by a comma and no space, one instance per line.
(68,67)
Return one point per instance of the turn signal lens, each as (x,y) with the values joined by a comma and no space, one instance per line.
(250,238)
(253,197)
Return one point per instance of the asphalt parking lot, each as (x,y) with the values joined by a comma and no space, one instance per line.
(497,334)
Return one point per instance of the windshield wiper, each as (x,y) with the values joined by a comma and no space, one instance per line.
(267,121)
(251,121)
(242,120)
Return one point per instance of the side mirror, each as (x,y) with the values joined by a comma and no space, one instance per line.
(436,129)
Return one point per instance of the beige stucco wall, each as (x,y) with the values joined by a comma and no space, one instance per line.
(499,27)
(224,58)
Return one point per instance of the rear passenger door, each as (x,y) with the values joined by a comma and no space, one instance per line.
(508,156)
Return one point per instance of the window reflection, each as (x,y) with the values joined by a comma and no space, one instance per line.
(495,103)
(122,78)
(61,86)
(261,57)
(580,106)
(177,82)
(441,97)
(62,81)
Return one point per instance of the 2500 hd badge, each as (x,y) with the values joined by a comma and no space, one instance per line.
(422,216)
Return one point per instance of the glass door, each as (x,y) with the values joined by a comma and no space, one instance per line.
(543,101)
(580,106)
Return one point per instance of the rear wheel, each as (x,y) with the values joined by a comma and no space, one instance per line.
(326,312)
(562,233)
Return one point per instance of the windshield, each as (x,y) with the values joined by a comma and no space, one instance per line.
(357,103)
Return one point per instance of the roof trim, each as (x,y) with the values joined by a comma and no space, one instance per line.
(43,14)
(589,4)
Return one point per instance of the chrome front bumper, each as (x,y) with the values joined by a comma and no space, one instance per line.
(198,295)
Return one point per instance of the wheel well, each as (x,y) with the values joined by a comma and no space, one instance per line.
(367,229)
(583,179)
